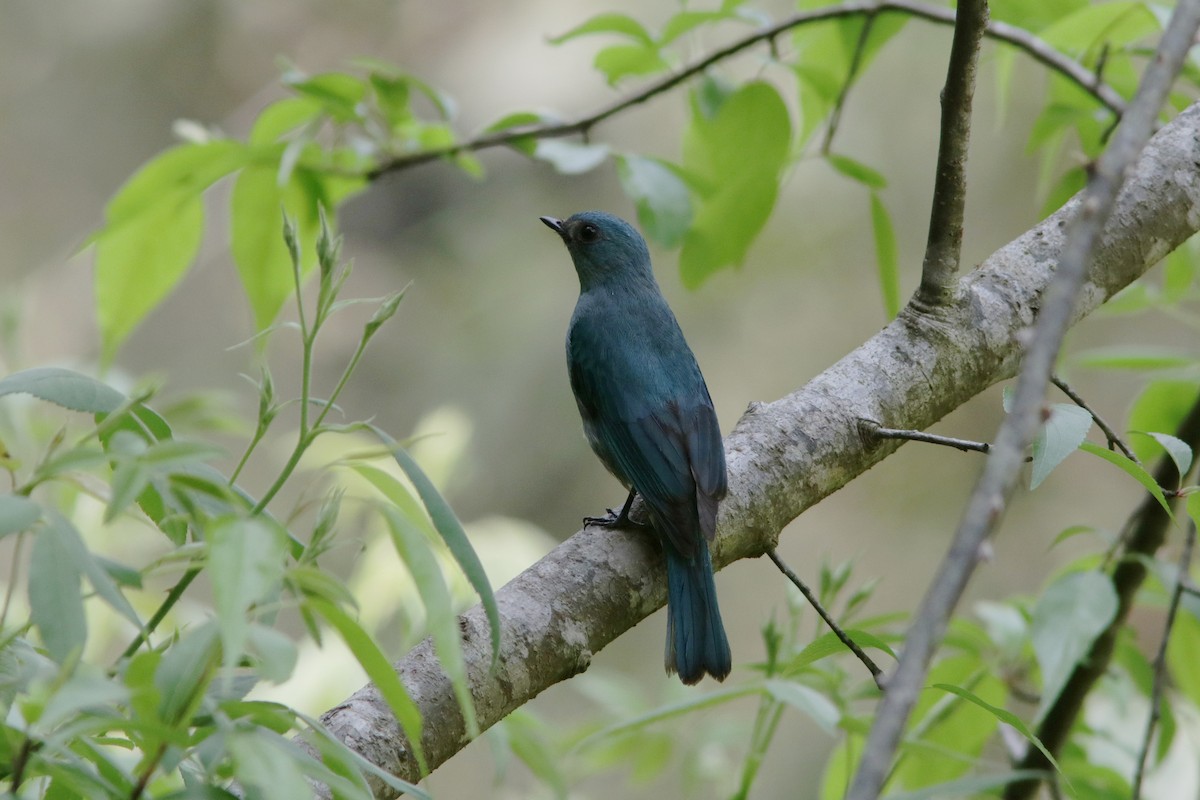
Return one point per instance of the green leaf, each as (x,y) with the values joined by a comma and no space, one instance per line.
(281,118)
(808,701)
(664,208)
(185,671)
(1135,470)
(262,259)
(452,534)
(267,765)
(63,387)
(570,158)
(185,170)
(1134,358)
(974,786)
(732,160)
(1176,448)
(1004,716)
(139,262)
(666,712)
(439,610)
(886,256)
(525,738)
(687,21)
(55,596)
(17,514)
(1161,406)
(1068,617)
(246,561)
(1183,653)
(1064,431)
(97,575)
(629,60)
(275,654)
(857,171)
(829,644)
(608,22)
(1179,272)
(339,93)
(376,665)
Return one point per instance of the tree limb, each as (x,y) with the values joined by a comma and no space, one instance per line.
(1010,34)
(944,243)
(783,457)
(995,486)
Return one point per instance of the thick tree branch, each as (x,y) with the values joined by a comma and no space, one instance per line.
(1017,37)
(1143,535)
(995,486)
(783,457)
(944,242)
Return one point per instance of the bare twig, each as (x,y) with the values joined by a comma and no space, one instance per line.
(943,246)
(835,116)
(872,429)
(876,673)
(1160,660)
(1017,37)
(1143,535)
(1113,439)
(987,502)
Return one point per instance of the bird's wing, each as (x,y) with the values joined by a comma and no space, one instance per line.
(706,457)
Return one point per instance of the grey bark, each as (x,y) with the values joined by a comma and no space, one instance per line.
(783,457)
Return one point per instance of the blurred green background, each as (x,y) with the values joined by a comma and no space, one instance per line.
(90,89)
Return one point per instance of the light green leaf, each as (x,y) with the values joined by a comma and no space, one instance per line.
(246,561)
(17,514)
(139,262)
(808,701)
(1176,448)
(1003,715)
(259,252)
(275,653)
(1136,471)
(55,596)
(886,256)
(686,21)
(974,786)
(1061,436)
(339,93)
(668,711)
(282,117)
(439,611)
(452,534)
(185,671)
(1161,406)
(857,171)
(608,22)
(97,575)
(63,387)
(664,208)
(267,765)
(570,158)
(829,644)
(376,665)
(525,738)
(629,60)
(182,171)
(732,160)
(1134,358)
(1068,617)
(86,688)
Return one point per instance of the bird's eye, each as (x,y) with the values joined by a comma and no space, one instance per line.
(589,233)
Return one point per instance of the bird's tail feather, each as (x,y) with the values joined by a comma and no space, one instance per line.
(696,642)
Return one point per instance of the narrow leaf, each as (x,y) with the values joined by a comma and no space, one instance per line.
(63,387)
(807,700)
(1176,448)
(55,596)
(886,256)
(381,673)
(1005,716)
(1136,471)
(246,561)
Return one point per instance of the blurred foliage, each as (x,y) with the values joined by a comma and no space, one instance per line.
(110,693)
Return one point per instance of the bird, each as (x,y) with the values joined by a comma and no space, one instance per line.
(649,418)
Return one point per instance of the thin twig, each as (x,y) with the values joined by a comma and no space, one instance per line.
(835,116)
(1113,439)
(1160,660)
(943,246)
(876,673)
(1143,534)
(999,478)
(1022,39)
(874,430)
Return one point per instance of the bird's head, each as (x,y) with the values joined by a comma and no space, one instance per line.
(604,248)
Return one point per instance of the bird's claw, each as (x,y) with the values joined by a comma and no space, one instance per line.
(612,520)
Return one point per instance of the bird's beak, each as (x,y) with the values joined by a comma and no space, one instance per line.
(555,225)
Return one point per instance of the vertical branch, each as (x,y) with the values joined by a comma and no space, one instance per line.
(944,244)
(995,486)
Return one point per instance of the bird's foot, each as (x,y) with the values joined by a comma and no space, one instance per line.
(615,520)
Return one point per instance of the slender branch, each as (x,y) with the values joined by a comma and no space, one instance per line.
(996,484)
(876,673)
(1022,39)
(943,246)
(1146,531)
(835,116)
(1160,660)
(1113,439)
(872,430)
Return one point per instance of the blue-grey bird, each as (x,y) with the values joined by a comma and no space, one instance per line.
(647,415)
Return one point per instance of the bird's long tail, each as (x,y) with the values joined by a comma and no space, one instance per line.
(696,642)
